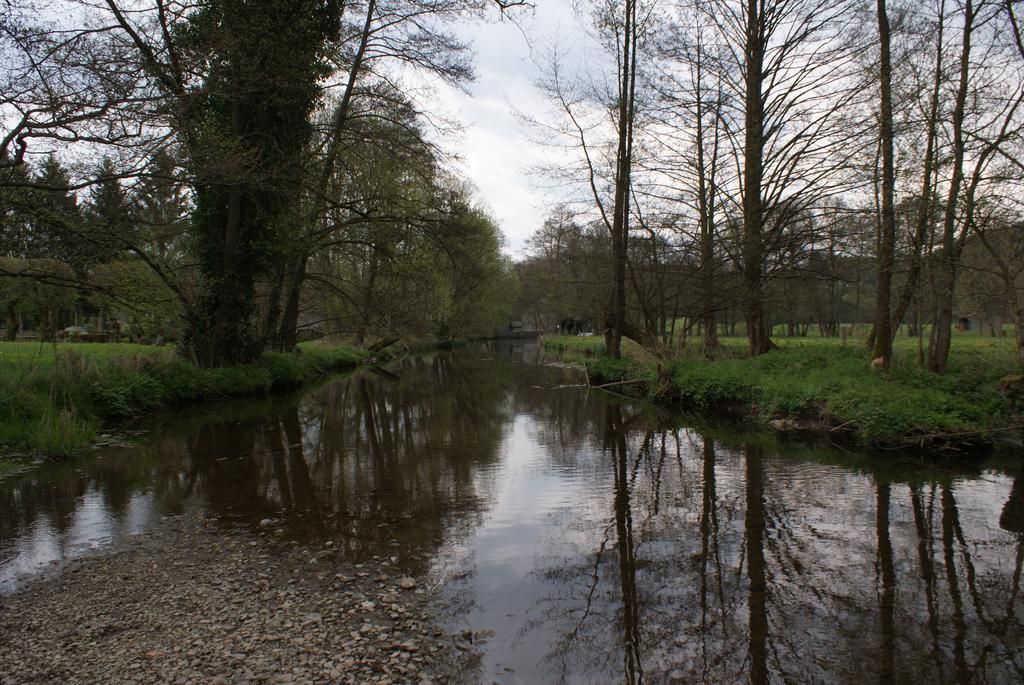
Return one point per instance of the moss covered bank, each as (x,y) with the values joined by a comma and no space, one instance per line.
(821,385)
(53,398)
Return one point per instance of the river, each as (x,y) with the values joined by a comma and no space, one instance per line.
(582,538)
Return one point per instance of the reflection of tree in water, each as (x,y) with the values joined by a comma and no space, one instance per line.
(757,601)
(771,570)
(1012,519)
(568,422)
(887,572)
(1012,516)
(55,496)
(615,611)
(687,560)
(585,609)
(632,666)
(384,464)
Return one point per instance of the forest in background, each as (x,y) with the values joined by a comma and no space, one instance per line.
(239,176)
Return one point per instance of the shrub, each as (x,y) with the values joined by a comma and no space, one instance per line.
(825,381)
(121,394)
(62,432)
(53,398)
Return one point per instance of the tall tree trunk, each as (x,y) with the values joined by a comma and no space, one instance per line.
(1019,324)
(706,191)
(272,319)
(938,357)
(711,343)
(288,332)
(221,332)
(758,337)
(882,352)
(623,167)
(924,203)
(47,332)
(367,304)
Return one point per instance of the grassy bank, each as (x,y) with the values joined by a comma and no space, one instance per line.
(53,399)
(821,384)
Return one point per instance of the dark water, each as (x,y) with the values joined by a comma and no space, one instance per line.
(586,540)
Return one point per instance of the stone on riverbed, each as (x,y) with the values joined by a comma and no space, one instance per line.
(195,603)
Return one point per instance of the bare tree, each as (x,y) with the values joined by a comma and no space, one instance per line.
(1003,244)
(881,355)
(601,128)
(688,160)
(788,79)
(980,134)
(626,109)
(925,205)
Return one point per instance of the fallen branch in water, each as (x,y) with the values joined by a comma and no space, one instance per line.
(617,383)
(840,427)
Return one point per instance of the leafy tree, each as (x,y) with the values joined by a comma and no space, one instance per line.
(41,287)
(132,295)
(107,217)
(54,218)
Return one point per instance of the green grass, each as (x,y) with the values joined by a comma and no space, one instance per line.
(575,345)
(54,398)
(587,346)
(824,382)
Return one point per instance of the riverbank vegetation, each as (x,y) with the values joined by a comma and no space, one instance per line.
(237,179)
(819,385)
(191,196)
(56,397)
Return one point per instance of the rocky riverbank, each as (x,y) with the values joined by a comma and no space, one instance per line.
(193,603)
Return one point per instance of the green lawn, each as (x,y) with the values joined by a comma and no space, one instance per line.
(828,383)
(53,398)
(9,350)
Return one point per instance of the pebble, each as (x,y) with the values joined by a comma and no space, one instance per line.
(195,604)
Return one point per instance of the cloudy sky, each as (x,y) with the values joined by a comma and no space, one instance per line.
(496,149)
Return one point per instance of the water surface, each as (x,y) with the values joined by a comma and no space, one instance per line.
(582,539)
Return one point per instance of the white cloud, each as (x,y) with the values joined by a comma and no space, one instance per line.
(497,153)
